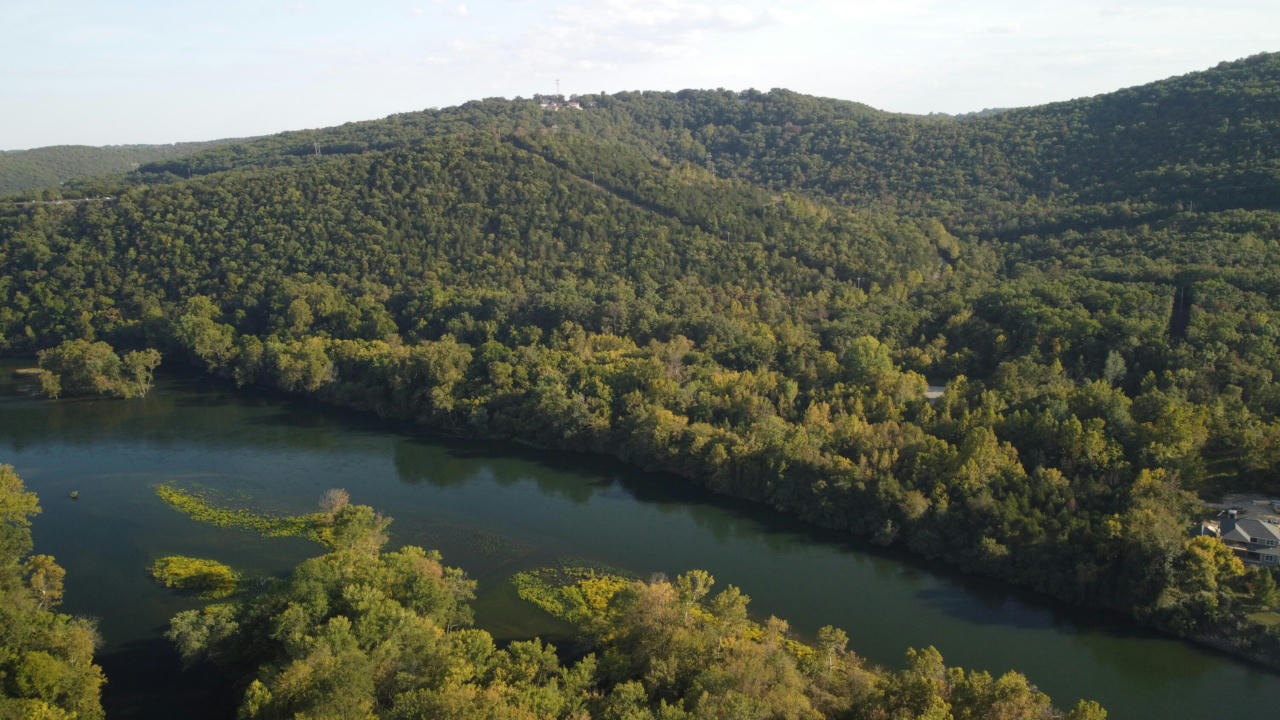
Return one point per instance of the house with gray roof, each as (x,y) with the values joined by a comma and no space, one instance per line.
(1253,540)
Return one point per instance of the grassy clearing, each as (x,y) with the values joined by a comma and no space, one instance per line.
(1269,618)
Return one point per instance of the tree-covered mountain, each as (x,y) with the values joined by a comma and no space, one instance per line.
(750,290)
(1203,138)
(22,170)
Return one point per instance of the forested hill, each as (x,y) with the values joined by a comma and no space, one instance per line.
(535,231)
(750,290)
(1203,139)
(43,167)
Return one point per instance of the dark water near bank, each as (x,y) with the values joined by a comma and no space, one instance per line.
(494,509)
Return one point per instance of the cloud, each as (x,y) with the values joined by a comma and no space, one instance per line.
(877,11)
(613,33)
(459,10)
(668,16)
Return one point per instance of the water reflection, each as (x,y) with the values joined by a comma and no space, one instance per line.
(147,673)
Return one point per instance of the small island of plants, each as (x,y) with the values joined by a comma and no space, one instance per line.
(81,367)
(210,578)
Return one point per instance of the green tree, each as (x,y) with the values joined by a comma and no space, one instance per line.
(80,367)
(1262,586)
(46,658)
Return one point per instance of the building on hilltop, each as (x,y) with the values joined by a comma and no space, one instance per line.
(555,104)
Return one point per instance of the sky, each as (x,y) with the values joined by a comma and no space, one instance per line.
(105,72)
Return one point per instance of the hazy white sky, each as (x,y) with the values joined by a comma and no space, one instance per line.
(150,71)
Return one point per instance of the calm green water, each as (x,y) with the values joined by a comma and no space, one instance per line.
(494,509)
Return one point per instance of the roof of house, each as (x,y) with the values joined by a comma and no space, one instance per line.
(1250,530)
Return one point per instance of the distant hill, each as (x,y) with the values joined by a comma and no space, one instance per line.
(50,166)
(1204,137)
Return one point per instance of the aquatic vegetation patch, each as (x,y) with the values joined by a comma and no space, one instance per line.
(202,509)
(573,593)
(438,533)
(494,544)
(581,562)
(210,578)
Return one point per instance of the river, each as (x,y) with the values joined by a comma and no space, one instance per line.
(494,509)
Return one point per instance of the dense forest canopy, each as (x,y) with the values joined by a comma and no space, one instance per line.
(754,290)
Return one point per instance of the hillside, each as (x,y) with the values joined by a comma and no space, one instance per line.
(1203,137)
(753,290)
(22,170)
